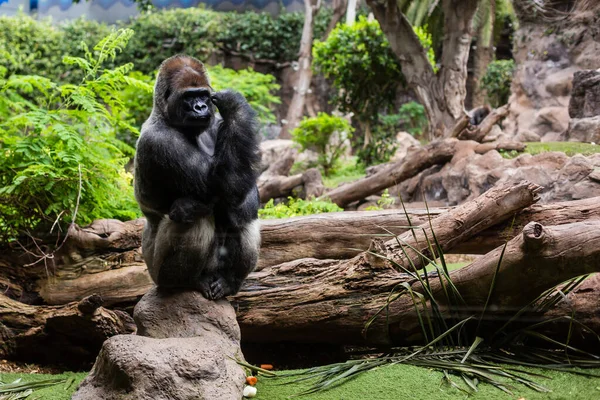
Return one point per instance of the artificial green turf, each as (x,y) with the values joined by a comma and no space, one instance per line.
(408,382)
(61,391)
(384,383)
(569,148)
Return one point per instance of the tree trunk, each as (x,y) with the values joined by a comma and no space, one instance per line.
(339,9)
(484,51)
(441,94)
(302,87)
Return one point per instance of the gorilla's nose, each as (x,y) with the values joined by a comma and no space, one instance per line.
(200,108)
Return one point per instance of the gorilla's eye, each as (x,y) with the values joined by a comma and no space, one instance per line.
(167,94)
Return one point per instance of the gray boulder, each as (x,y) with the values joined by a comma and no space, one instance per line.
(185,349)
(585,98)
(584,130)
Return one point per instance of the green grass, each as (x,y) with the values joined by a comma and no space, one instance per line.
(569,148)
(384,383)
(56,392)
(414,383)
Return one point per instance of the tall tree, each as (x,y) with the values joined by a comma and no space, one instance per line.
(302,87)
(442,93)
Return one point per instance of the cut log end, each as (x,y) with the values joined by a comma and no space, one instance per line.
(534,236)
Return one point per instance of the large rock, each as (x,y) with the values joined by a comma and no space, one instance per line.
(585,99)
(584,130)
(550,119)
(404,141)
(546,67)
(185,349)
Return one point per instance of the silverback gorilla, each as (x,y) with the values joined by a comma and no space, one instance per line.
(195,181)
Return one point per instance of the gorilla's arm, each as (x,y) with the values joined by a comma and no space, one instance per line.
(236,149)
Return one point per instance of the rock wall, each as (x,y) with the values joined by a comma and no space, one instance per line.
(547,54)
(464,178)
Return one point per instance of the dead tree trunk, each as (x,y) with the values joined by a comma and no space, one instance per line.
(330,301)
(302,87)
(71,334)
(418,159)
(270,187)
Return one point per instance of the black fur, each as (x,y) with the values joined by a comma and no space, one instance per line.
(195,181)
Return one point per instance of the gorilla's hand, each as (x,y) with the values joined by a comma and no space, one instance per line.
(228,102)
(186,210)
(214,289)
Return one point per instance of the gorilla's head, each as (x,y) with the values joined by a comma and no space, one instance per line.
(182,94)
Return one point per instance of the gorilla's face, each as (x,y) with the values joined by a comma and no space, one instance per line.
(190,108)
(182,94)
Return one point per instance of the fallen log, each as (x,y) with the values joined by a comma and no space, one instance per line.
(417,160)
(112,265)
(477,133)
(270,187)
(414,248)
(71,334)
(330,301)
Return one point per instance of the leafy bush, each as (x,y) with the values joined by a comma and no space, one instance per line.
(296,207)
(259,35)
(256,87)
(497,81)
(164,33)
(29,46)
(385,201)
(61,159)
(382,142)
(366,75)
(413,118)
(364,70)
(317,134)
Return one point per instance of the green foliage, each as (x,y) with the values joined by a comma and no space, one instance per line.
(262,36)
(427,43)
(317,134)
(164,33)
(366,75)
(256,87)
(364,70)
(346,170)
(296,208)
(413,118)
(382,142)
(569,148)
(497,81)
(138,99)
(29,46)
(62,159)
(384,202)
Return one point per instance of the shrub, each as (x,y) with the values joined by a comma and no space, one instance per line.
(259,35)
(29,46)
(296,207)
(364,70)
(497,81)
(258,88)
(61,159)
(382,142)
(317,134)
(412,118)
(164,33)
